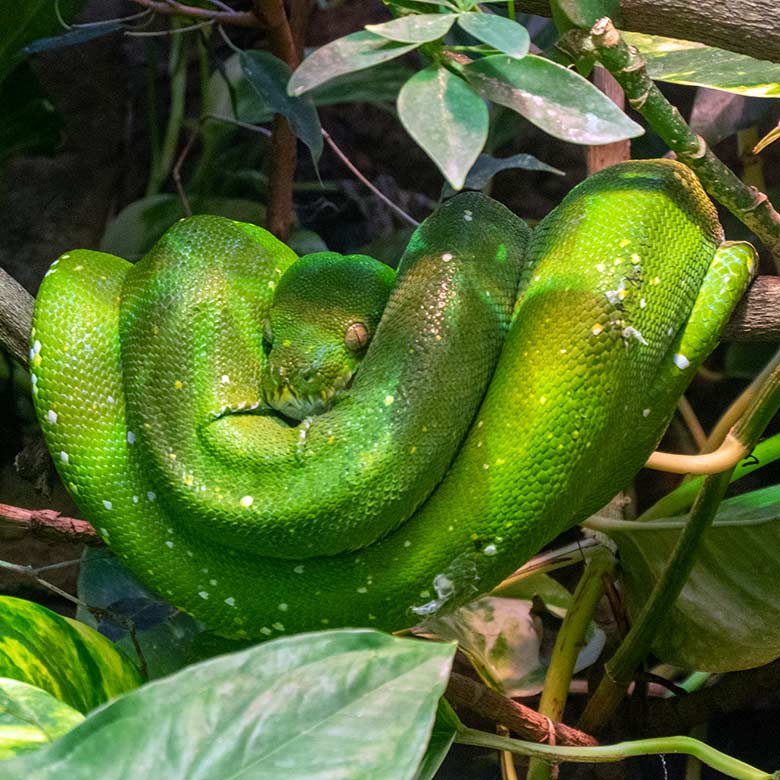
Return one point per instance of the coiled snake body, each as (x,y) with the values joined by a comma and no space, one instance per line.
(457,451)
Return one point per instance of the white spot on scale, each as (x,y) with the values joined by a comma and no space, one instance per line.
(169,544)
(389,400)
(277,626)
(36,347)
(447,256)
(298,569)
(104,533)
(110,399)
(642,303)
(265,630)
(225,379)
(407,543)
(135,499)
(631,332)
(213,582)
(150,496)
(490,549)
(107,504)
(645,412)
(130,437)
(247,501)
(203,594)
(468,215)
(362,589)
(33,379)
(230,601)
(64,457)
(681,361)
(283,607)
(51,416)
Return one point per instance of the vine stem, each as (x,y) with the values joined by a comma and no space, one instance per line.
(569,642)
(721,762)
(171,8)
(628,67)
(622,666)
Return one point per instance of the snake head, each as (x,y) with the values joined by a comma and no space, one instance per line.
(326,309)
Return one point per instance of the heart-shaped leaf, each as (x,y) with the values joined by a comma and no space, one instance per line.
(348,704)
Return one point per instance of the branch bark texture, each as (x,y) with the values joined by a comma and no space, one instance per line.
(745,26)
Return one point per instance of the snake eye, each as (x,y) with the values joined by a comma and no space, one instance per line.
(356,337)
(268,336)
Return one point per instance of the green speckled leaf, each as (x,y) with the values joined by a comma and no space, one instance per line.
(497,31)
(30,717)
(446,118)
(414,28)
(353,52)
(351,704)
(561,102)
(68,659)
(686,62)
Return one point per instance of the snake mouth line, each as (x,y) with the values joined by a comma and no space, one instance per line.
(298,405)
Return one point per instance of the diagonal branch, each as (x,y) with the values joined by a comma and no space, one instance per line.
(173,8)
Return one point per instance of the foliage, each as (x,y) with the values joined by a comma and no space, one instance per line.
(462,77)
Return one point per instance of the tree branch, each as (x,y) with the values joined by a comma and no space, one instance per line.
(523,721)
(745,26)
(49,525)
(16,308)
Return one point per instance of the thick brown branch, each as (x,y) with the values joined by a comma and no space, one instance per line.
(50,525)
(16,308)
(523,721)
(172,8)
(745,26)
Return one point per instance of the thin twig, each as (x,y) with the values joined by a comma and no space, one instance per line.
(171,8)
(176,173)
(361,178)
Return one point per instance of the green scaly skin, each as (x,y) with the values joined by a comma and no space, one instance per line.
(439,471)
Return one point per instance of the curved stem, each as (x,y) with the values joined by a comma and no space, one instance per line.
(721,762)
(728,454)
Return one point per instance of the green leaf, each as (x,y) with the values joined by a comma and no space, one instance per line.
(442,736)
(415,28)
(24,22)
(508,640)
(486,167)
(561,102)
(686,62)
(136,620)
(268,76)
(728,615)
(68,659)
(353,52)
(583,14)
(446,118)
(380,85)
(351,704)
(72,37)
(499,32)
(31,717)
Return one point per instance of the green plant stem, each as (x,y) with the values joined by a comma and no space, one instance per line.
(568,644)
(167,154)
(628,67)
(621,667)
(721,762)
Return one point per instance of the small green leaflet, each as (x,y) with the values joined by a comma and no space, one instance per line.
(414,28)
(446,118)
(686,62)
(497,31)
(561,102)
(352,52)
(351,704)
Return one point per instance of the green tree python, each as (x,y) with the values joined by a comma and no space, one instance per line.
(204,411)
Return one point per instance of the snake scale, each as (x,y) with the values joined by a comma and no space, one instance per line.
(508,384)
